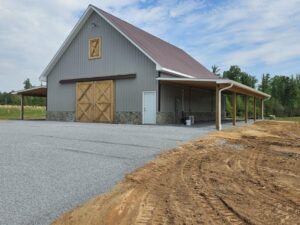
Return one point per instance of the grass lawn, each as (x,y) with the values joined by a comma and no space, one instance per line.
(12,112)
(297,119)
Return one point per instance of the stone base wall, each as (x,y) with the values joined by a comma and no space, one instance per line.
(61,116)
(129,117)
(165,118)
(136,117)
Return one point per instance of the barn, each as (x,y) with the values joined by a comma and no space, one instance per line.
(108,70)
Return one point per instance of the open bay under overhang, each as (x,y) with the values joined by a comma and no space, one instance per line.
(40,91)
(226,86)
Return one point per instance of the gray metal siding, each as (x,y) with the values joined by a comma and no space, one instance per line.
(169,94)
(119,56)
(201,100)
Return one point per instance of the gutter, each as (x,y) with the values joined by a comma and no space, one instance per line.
(243,86)
(217,81)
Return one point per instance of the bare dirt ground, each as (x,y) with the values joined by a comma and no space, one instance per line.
(248,175)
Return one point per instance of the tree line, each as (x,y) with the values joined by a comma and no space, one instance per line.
(284,91)
(8,98)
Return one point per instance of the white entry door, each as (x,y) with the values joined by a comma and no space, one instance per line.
(149,107)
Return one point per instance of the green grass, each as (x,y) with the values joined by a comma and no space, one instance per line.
(12,112)
(297,119)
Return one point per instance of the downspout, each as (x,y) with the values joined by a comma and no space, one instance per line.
(220,104)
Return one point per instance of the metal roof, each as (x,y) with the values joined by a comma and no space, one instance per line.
(167,57)
(40,91)
(211,83)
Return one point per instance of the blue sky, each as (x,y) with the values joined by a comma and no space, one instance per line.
(261,36)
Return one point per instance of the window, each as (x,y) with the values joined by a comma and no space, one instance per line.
(95,48)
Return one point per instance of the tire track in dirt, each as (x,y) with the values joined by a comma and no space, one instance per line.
(212,215)
(209,200)
(286,192)
(273,199)
(276,196)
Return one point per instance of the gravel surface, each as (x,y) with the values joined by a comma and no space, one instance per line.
(48,167)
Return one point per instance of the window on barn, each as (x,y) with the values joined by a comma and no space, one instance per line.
(95,48)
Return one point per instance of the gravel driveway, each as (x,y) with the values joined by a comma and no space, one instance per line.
(47,167)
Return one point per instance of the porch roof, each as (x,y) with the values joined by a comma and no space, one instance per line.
(40,91)
(214,83)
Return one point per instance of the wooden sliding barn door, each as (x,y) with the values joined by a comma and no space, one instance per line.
(85,101)
(104,101)
(95,101)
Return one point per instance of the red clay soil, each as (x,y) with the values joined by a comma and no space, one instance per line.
(248,175)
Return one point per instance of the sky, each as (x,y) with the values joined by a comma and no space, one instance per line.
(260,36)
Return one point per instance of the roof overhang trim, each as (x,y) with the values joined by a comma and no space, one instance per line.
(75,31)
(158,66)
(40,91)
(216,81)
(77,28)
(66,43)
(176,73)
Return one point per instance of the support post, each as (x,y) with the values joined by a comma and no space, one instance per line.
(234,108)
(22,107)
(262,109)
(254,109)
(217,120)
(158,96)
(246,109)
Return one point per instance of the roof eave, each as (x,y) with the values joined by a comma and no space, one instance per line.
(158,66)
(218,81)
(75,31)
(66,43)
(162,69)
(246,87)
(29,89)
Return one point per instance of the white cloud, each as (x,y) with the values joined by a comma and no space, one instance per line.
(246,33)
(185,7)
